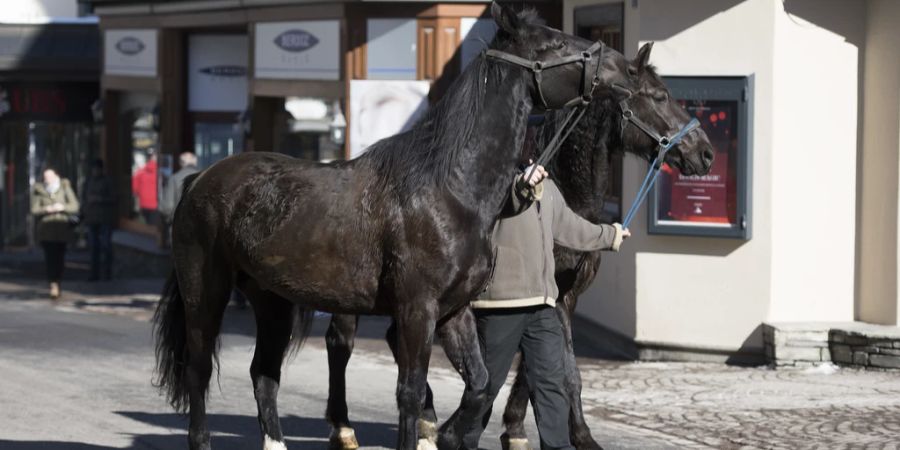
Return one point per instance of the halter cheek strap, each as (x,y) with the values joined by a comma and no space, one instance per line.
(664,144)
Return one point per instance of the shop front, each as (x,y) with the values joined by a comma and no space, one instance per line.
(48,96)
(319,81)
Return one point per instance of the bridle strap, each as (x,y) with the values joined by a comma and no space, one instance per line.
(562,133)
(537,67)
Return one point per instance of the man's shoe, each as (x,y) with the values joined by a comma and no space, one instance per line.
(54,290)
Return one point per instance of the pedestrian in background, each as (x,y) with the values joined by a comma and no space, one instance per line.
(143,186)
(54,206)
(98,213)
(171,194)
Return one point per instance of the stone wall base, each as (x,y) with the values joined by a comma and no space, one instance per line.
(855,344)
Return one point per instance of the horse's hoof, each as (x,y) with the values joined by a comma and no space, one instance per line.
(427,430)
(511,443)
(343,438)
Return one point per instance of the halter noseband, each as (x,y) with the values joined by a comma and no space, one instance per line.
(664,144)
(588,67)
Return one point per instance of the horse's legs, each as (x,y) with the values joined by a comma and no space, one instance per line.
(515,437)
(578,428)
(205,288)
(415,332)
(427,424)
(274,324)
(339,341)
(459,338)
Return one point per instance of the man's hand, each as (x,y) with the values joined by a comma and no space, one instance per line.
(538,173)
(626,234)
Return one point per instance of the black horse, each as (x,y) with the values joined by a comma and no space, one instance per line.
(403,231)
(580,170)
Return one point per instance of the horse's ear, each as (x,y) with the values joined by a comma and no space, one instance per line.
(643,57)
(505,17)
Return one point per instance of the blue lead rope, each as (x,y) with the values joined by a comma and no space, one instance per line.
(664,146)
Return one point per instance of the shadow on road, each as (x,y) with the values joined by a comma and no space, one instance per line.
(243,431)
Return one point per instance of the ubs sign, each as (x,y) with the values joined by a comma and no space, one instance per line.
(305,50)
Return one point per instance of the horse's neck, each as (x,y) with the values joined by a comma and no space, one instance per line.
(485,167)
(581,170)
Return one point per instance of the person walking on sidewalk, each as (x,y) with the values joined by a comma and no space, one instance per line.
(53,205)
(98,213)
(171,193)
(516,311)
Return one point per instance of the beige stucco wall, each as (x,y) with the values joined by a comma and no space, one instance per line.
(877,293)
(814,160)
(714,293)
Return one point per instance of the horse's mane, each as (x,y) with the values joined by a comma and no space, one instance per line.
(426,153)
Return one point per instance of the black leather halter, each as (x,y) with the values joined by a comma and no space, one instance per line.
(590,68)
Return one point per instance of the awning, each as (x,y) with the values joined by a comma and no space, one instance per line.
(50,51)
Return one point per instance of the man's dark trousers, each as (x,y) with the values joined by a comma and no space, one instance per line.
(537,332)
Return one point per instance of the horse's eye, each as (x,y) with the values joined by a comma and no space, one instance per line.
(562,45)
(660,97)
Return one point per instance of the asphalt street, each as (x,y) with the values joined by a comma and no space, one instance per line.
(73,376)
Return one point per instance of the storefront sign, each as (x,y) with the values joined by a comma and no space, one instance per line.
(217,72)
(715,204)
(130,52)
(52,102)
(306,50)
(379,109)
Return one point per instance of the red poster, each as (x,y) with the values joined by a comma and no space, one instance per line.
(710,199)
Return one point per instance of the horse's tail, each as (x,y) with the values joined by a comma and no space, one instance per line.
(303,321)
(171,345)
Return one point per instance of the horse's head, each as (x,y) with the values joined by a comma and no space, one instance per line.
(564,66)
(638,88)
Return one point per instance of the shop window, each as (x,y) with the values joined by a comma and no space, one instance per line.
(311,128)
(718,203)
(391,49)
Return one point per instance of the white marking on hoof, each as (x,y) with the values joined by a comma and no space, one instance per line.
(272,444)
(519,444)
(425,444)
(343,438)
(427,430)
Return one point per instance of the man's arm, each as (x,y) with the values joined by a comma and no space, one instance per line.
(573,231)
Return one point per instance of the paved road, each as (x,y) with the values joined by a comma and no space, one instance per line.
(73,376)
(76,375)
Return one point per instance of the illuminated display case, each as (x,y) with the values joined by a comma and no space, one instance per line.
(716,204)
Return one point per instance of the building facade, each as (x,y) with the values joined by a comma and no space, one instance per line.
(796,223)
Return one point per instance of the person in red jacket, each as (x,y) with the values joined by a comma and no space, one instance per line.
(143,186)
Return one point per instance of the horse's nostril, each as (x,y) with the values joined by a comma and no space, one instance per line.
(708,155)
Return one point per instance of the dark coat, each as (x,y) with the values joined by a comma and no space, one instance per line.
(53,227)
(98,204)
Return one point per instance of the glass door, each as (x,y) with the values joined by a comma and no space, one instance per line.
(214,141)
